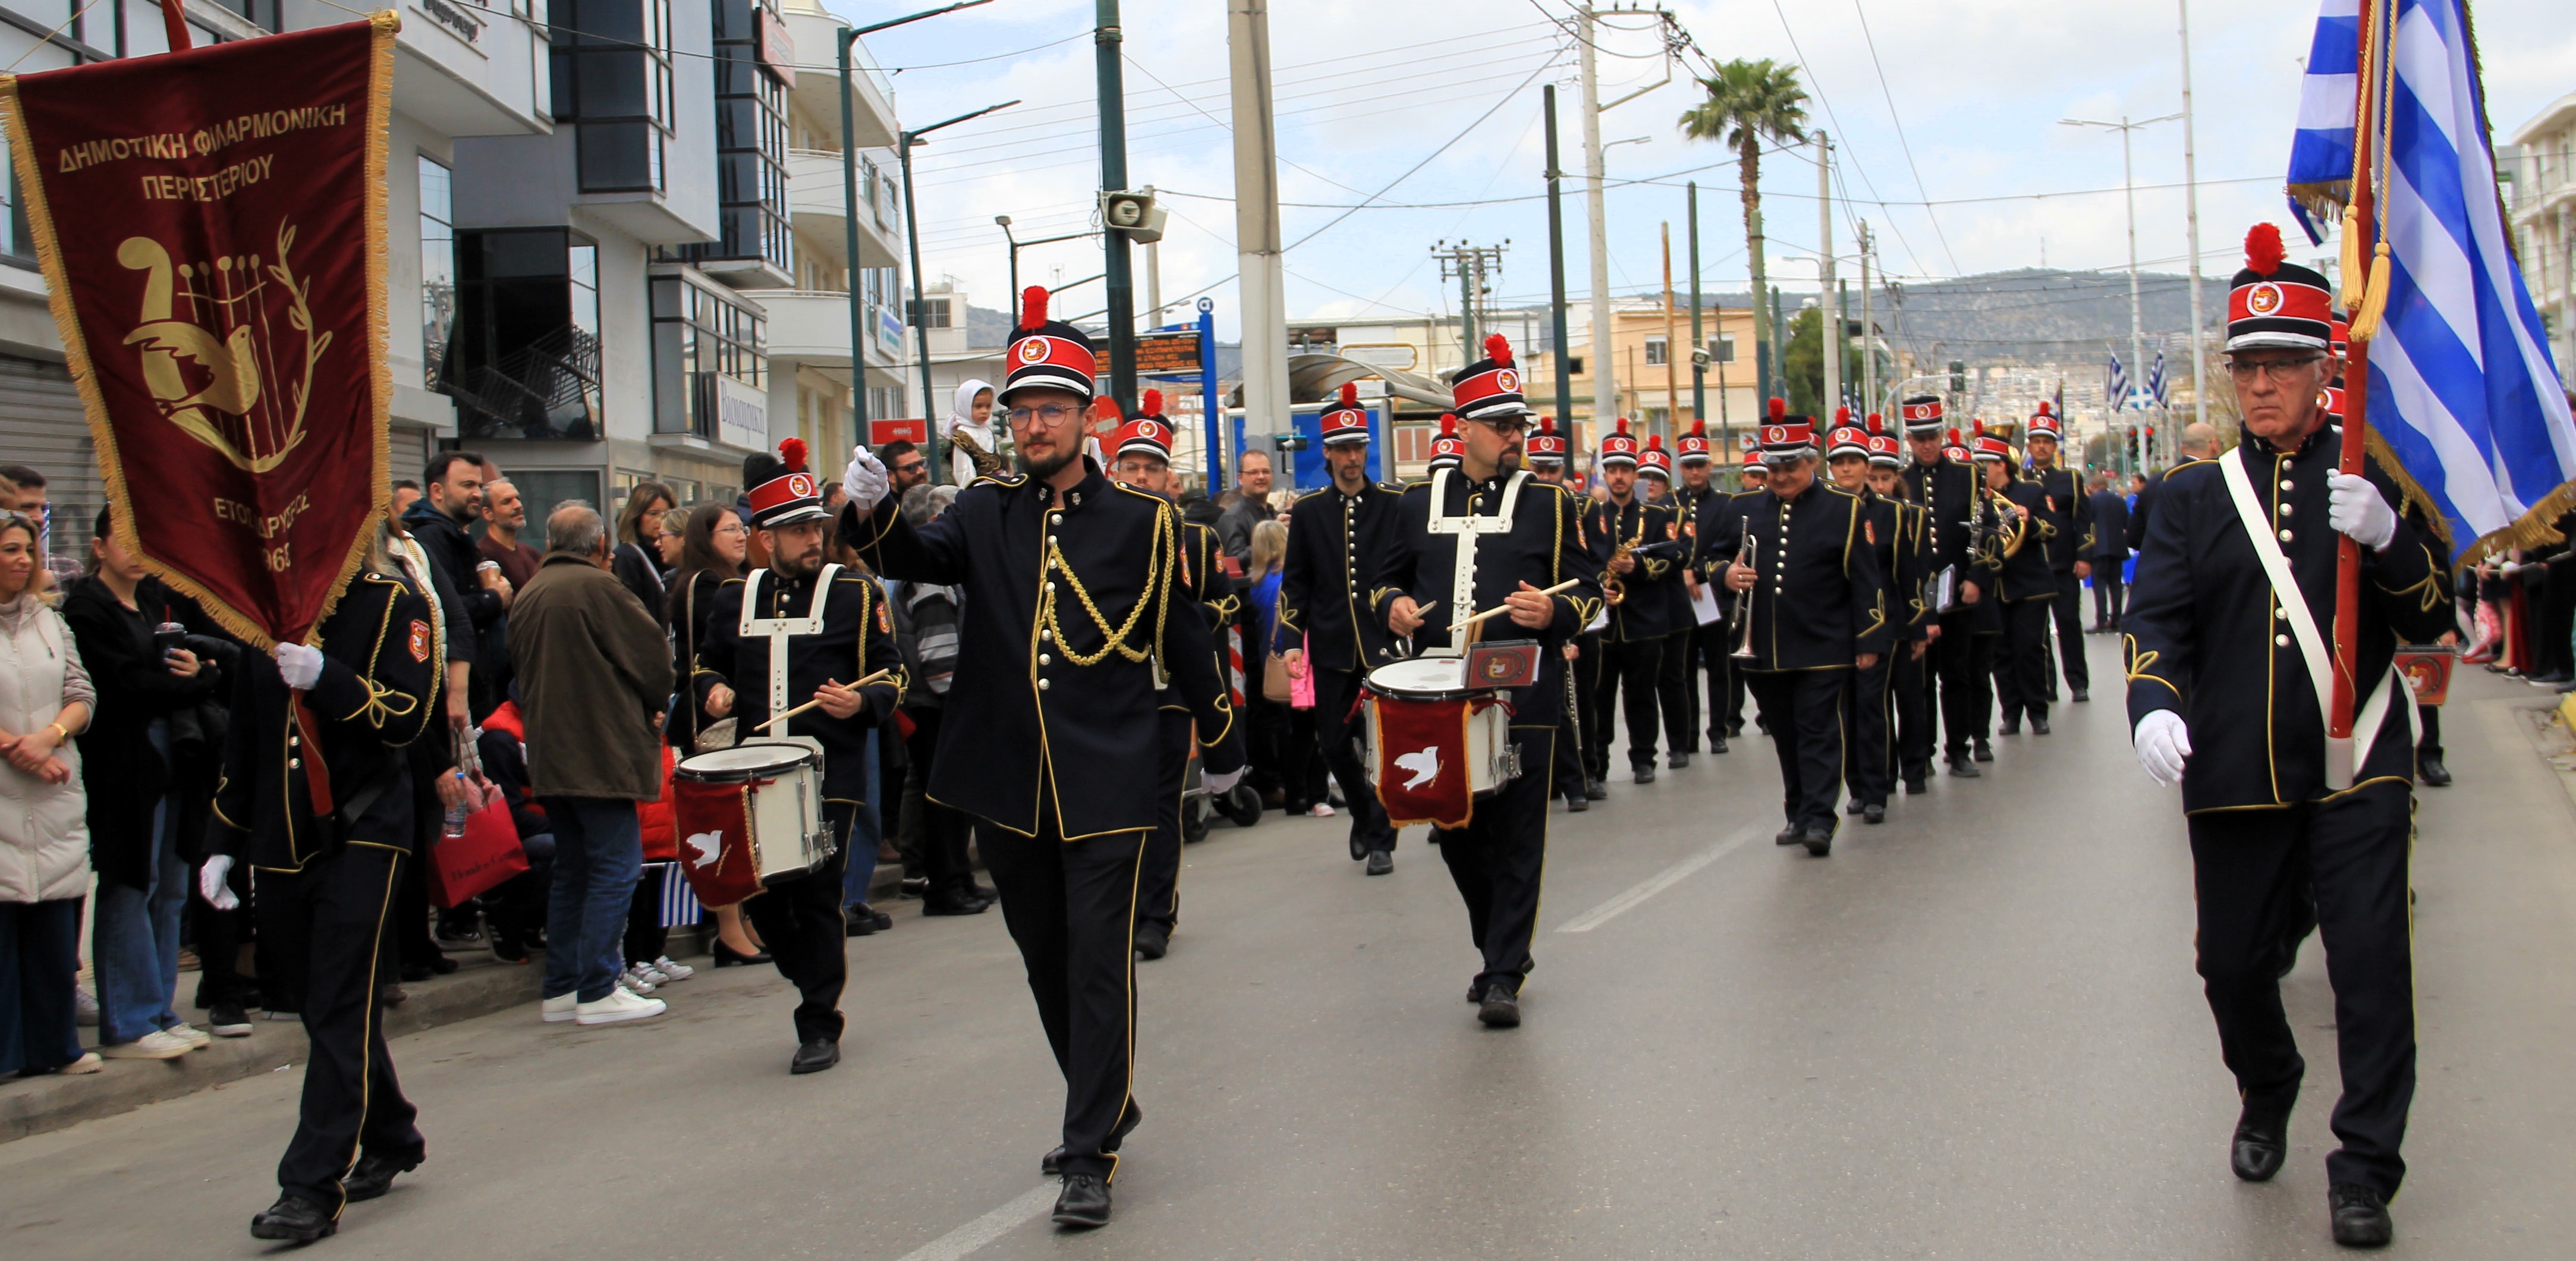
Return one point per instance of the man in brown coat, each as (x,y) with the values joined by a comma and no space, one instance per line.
(594,675)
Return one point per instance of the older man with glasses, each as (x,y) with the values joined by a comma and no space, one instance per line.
(1073,611)
(2236,585)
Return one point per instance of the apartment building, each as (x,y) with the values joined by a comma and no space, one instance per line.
(2540,195)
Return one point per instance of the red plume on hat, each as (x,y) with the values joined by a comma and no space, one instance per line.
(1153,404)
(1779,410)
(791,455)
(1699,428)
(1499,348)
(1876,425)
(1547,424)
(2045,408)
(1980,429)
(2263,249)
(1623,421)
(1954,435)
(1033,306)
(1448,424)
(1842,416)
(1351,391)
(1654,442)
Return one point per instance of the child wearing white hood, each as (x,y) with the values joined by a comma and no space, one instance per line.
(972,414)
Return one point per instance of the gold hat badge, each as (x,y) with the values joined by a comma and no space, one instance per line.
(208,382)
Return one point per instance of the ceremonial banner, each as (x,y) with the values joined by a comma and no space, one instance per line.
(212,228)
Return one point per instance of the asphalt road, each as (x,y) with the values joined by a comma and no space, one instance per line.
(1973,1032)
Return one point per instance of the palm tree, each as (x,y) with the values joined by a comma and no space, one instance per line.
(1750,102)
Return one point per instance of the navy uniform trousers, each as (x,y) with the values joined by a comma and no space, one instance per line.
(2023,671)
(1673,694)
(1805,710)
(801,926)
(1497,859)
(2252,871)
(1629,671)
(1336,692)
(1871,766)
(1963,669)
(1158,893)
(2068,612)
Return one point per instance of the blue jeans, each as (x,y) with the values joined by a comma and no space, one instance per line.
(134,941)
(39,955)
(865,832)
(599,855)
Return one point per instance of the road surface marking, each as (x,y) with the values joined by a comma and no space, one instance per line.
(1661,881)
(983,1230)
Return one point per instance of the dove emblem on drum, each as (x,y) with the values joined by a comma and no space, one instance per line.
(1422,764)
(709,847)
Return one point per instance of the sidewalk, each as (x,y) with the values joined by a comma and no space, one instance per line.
(480,987)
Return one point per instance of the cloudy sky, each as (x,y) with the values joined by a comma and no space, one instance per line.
(1954,103)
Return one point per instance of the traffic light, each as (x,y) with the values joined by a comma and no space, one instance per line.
(1958,376)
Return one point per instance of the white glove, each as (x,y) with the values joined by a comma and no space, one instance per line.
(2163,744)
(301,665)
(211,886)
(2355,507)
(865,479)
(1220,785)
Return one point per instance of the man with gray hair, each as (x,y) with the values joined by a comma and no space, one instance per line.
(594,675)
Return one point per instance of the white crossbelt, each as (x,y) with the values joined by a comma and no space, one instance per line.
(2343,757)
(777,629)
(1465,527)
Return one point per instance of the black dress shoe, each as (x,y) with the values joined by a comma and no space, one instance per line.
(1380,862)
(1359,847)
(416,972)
(1577,804)
(294,1219)
(2038,724)
(1597,789)
(1153,940)
(954,906)
(1786,836)
(374,1176)
(1915,786)
(1819,841)
(728,957)
(1852,806)
(1964,769)
(2360,1216)
(2261,1143)
(2011,727)
(913,887)
(1874,813)
(1052,1164)
(2081,695)
(815,1056)
(1985,752)
(2432,772)
(1646,773)
(1500,1008)
(1676,761)
(1084,1202)
(1716,745)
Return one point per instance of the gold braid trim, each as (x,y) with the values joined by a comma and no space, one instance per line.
(1114,640)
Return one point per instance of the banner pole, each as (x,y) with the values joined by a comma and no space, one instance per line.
(174,24)
(2342,758)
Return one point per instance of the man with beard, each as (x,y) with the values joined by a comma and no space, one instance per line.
(1333,534)
(1479,537)
(2069,543)
(1547,450)
(1869,762)
(794,631)
(1071,617)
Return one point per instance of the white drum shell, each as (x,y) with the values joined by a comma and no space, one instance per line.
(789,836)
(1490,759)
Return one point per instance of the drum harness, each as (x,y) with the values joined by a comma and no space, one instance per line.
(777,630)
(1464,528)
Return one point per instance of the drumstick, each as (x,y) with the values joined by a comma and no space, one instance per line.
(1500,609)
(879,676)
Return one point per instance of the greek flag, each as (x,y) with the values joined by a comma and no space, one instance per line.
(2156,380)
(2321,152)
(2115,391)
(2462,388)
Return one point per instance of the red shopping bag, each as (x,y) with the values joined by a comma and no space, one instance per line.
(661,842)
(461,868)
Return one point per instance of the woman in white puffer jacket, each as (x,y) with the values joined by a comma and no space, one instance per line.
(45,700)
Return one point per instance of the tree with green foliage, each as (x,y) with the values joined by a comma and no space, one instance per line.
(1805,355)
(1749,103)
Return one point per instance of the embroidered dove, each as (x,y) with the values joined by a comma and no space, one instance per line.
(709,846)
(1424,765)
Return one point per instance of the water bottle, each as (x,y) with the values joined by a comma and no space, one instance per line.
(455,828)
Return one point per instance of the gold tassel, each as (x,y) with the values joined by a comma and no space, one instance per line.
(2374,303)
(2355,275)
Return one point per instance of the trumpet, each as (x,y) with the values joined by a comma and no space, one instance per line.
(986,463)
(1743,619)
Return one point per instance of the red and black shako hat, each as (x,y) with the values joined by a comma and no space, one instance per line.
(1047,352)
(1546,446)
(1491,386)
(1654,461)
(1619,447)
(1922,415)
(1148,434)
(1694,445)
(1448,450)
(2276,303)
(1753,456)
(1786,438)
(1883,447)
(1845,438)
(1991,448)
(2046,424)
(783,491)
(1345,421)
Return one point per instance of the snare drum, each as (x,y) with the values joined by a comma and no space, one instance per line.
(1434,742)
(750,816)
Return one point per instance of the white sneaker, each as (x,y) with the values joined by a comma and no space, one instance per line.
(633,981)
(673,971)
(619,1005)
(84,1009)
(560,1007)
(649,974)
(155,1045)
(190,1034)
(86,1064)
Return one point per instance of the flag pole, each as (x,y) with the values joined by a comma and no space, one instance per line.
(2341,758)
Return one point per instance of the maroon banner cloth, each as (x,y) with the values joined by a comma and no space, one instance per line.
(1421,760)
(714,823)
(212,227)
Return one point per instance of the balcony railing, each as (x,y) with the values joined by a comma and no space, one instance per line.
(548,389)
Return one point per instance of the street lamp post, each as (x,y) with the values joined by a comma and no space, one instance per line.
(2129,187)
(912,238)
(1004,222)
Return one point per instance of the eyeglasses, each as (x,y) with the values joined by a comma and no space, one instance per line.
(910,466)
(1052,413)
(730,529)
(2277,369)
(1507,426)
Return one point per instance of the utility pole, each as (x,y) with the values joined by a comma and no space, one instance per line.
(1868,334)
(1605,384)
(2129,187)
(1556,272)
(2191,217)
(1699,339)
(1256,222)
(1106,39)
(1470,265)
(1672,347)
(1829,303)
(1153,285)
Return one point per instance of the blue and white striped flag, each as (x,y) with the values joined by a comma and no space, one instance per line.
(2156,380)
(2462,388)
(2115,390)
(2321,152)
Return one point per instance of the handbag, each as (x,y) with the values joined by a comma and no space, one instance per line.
(1276,686)
(461,868)
(661,837)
